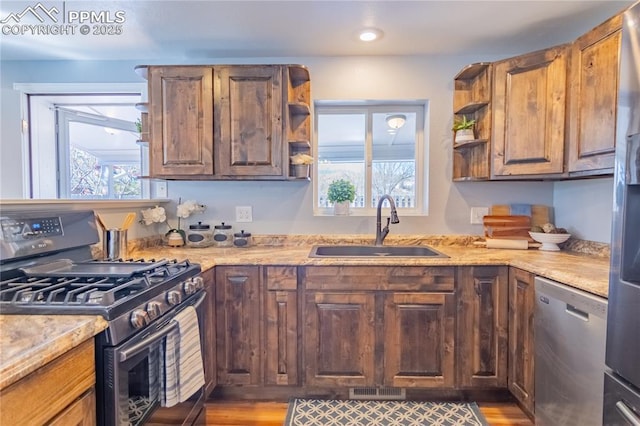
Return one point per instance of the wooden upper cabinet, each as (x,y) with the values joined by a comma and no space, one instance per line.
(248,123)
(593,98)
(181,128)
(529,114)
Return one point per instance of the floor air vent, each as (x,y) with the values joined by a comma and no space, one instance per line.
(394,394)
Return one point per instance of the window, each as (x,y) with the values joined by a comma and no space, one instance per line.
(378,147)
(94,139)
(103,157)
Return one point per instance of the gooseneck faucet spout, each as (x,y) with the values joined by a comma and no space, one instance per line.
(381,233)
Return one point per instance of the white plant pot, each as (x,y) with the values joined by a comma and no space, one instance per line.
(341,208)
(464,135)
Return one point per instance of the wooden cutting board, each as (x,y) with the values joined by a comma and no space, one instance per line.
(507,226)
(539,214)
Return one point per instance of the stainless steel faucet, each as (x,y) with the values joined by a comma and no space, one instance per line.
(381,233)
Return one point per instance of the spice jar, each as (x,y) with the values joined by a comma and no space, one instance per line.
(242,239)
(223,235)
(200,235)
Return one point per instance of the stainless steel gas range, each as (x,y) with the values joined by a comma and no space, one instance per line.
(46,269)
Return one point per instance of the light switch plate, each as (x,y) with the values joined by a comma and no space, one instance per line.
(244,214)
(477,213)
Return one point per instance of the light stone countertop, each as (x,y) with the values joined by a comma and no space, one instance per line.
(28,342)
(582,271)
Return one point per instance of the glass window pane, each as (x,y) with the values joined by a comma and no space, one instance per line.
(104,163)
(394,158)
(341,142)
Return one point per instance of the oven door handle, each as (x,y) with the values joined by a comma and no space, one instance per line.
(152,338)
(147,341)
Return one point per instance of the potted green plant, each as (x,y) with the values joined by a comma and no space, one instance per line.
(341,192)
(463,129)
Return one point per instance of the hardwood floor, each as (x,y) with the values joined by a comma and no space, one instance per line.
(224,413)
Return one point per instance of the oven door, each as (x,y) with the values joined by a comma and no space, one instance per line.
(131,377)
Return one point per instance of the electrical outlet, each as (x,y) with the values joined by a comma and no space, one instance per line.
(160,189)
(477,213)
(244,214)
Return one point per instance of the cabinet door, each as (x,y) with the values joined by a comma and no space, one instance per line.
(238,325)
(482,346)
(181,115)
(81,413)
(281,313)
(521,337)
(593,98)
(419,339)
(248,121)
(529,115)
(339,337)
(209,331)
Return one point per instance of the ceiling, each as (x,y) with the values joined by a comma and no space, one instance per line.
(198,30)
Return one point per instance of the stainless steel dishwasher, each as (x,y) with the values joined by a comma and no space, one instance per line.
(570,336)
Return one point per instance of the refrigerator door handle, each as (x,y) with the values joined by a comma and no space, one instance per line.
(627,414)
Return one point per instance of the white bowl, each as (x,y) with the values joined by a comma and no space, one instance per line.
(549,241)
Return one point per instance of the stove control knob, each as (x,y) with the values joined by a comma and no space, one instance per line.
(174,297)
(189,287)
(139,318)
(154,309)
(199,282)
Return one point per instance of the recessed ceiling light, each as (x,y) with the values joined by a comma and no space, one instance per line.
(370,34)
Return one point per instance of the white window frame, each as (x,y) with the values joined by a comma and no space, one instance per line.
(158,188)
(368,108)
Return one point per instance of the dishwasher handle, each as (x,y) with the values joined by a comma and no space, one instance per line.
(627,414)
(578,313)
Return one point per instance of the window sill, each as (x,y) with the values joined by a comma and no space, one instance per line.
(79,204)
(369,213)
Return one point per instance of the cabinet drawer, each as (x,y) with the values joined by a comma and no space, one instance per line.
(281,277)
(396,278)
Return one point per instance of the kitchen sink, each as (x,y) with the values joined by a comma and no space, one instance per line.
(374,251)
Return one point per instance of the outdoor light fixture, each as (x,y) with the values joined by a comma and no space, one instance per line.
(370,34)
(396,121)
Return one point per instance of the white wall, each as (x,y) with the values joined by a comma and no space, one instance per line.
(584,207)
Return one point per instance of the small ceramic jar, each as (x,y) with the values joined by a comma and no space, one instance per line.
(223,235)
(242,239)
(199,235)
(174,238)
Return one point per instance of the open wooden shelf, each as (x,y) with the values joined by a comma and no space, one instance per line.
(471,107)
(469,144)
(471,71)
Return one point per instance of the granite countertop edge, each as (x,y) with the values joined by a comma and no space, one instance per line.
(28,342)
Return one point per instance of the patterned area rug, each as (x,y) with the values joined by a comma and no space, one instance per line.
(317,412)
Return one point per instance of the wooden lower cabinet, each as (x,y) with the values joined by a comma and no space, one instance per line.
(418,337)
(60,392)
(81,413)
(521,337)
(210,355)
(482,335)
(238,325)
(379,326)
(281,326)
(339,337)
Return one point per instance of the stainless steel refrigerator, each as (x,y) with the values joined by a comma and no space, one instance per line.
(622,375)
